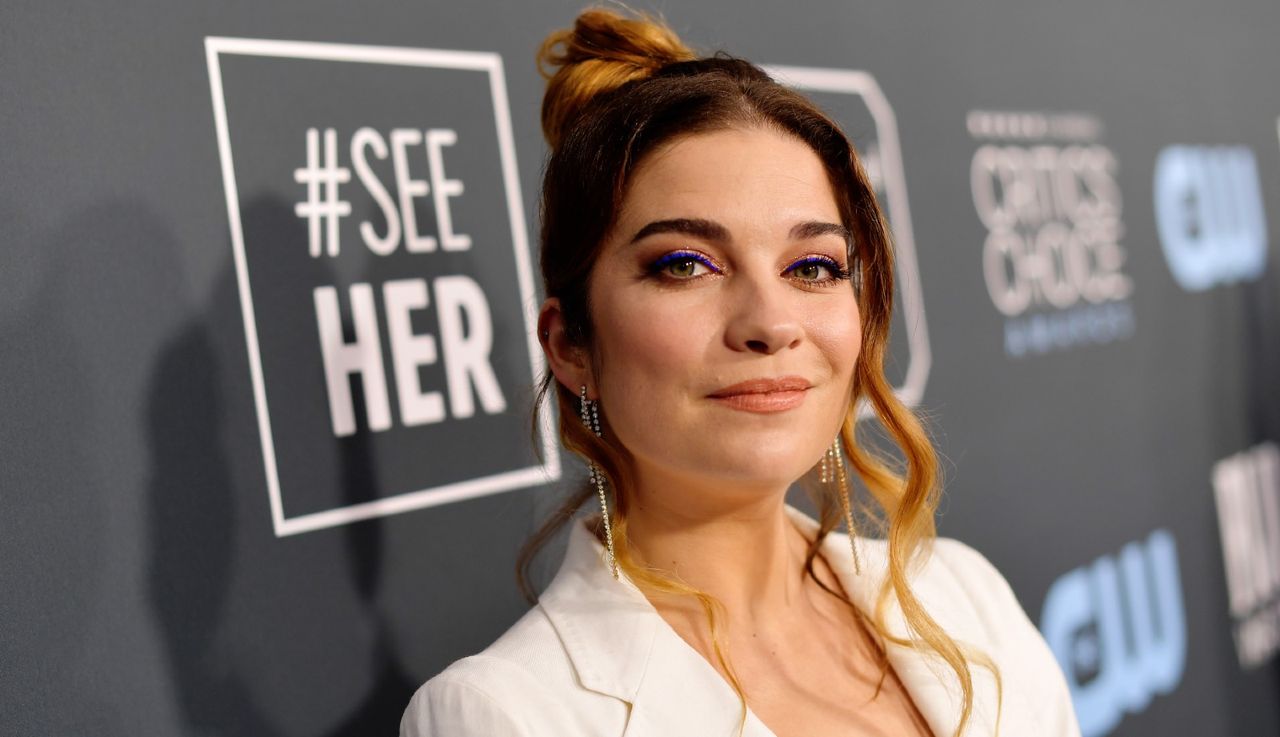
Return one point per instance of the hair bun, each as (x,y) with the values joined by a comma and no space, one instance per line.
(603,51)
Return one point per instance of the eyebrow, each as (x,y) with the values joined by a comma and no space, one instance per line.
(713,231)
(704,229)
(814,228)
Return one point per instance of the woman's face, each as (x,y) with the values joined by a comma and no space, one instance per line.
(726,328)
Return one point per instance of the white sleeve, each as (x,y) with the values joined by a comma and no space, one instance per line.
(451,706)
(1024,651)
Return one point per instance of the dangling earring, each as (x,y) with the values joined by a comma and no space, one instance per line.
(832,471)
(590,411)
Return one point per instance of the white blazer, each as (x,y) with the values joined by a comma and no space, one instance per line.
(594,658)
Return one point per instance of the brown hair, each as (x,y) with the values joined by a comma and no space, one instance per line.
(618,87)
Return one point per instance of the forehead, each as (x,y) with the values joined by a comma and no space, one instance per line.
(744,178)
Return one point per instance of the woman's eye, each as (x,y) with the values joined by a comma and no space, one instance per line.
(818,269)
(809,271)
(683,265)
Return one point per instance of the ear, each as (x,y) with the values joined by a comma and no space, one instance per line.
(569,363)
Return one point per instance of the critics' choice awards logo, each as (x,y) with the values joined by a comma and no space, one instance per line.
(384,275)
(855,101)
(1118,629)
(1209,214)
(1046,190)
(1246,489)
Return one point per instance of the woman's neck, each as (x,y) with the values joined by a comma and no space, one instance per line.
(743,550)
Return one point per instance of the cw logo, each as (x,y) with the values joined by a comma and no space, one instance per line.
(1246,488)
(1118,629)
(1209,214)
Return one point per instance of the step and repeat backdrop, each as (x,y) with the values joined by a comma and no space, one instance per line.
(267,286)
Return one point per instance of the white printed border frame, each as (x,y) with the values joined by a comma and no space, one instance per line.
(491,63)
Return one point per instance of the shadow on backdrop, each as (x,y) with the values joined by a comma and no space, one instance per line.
(195,528)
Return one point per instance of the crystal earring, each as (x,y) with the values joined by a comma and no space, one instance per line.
(832,472)
(590,411)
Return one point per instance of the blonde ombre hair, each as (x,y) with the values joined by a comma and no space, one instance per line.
(619,86)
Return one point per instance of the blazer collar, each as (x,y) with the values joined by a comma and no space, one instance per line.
(620,646)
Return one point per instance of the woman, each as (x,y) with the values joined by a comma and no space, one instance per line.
(719,285)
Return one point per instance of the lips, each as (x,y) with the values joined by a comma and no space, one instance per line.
(764,395)
(763,386)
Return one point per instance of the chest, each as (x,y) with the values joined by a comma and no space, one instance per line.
(822,677)
(837,705)
(829,686)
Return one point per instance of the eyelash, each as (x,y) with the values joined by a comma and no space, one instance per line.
(836,271)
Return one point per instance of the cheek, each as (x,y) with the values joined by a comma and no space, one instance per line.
(650,346)
(837,333)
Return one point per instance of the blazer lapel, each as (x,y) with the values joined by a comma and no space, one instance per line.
(607,626)
(621,647)
(682,695)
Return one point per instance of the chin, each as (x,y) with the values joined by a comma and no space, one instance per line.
(759,465)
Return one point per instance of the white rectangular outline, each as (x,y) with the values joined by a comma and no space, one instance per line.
(862,84)
(405,56)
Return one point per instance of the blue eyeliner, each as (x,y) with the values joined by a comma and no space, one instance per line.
(837,272)
(678,256)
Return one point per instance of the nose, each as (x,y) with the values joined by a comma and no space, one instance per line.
(762,318)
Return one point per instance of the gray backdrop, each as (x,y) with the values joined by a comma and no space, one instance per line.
(213,524)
